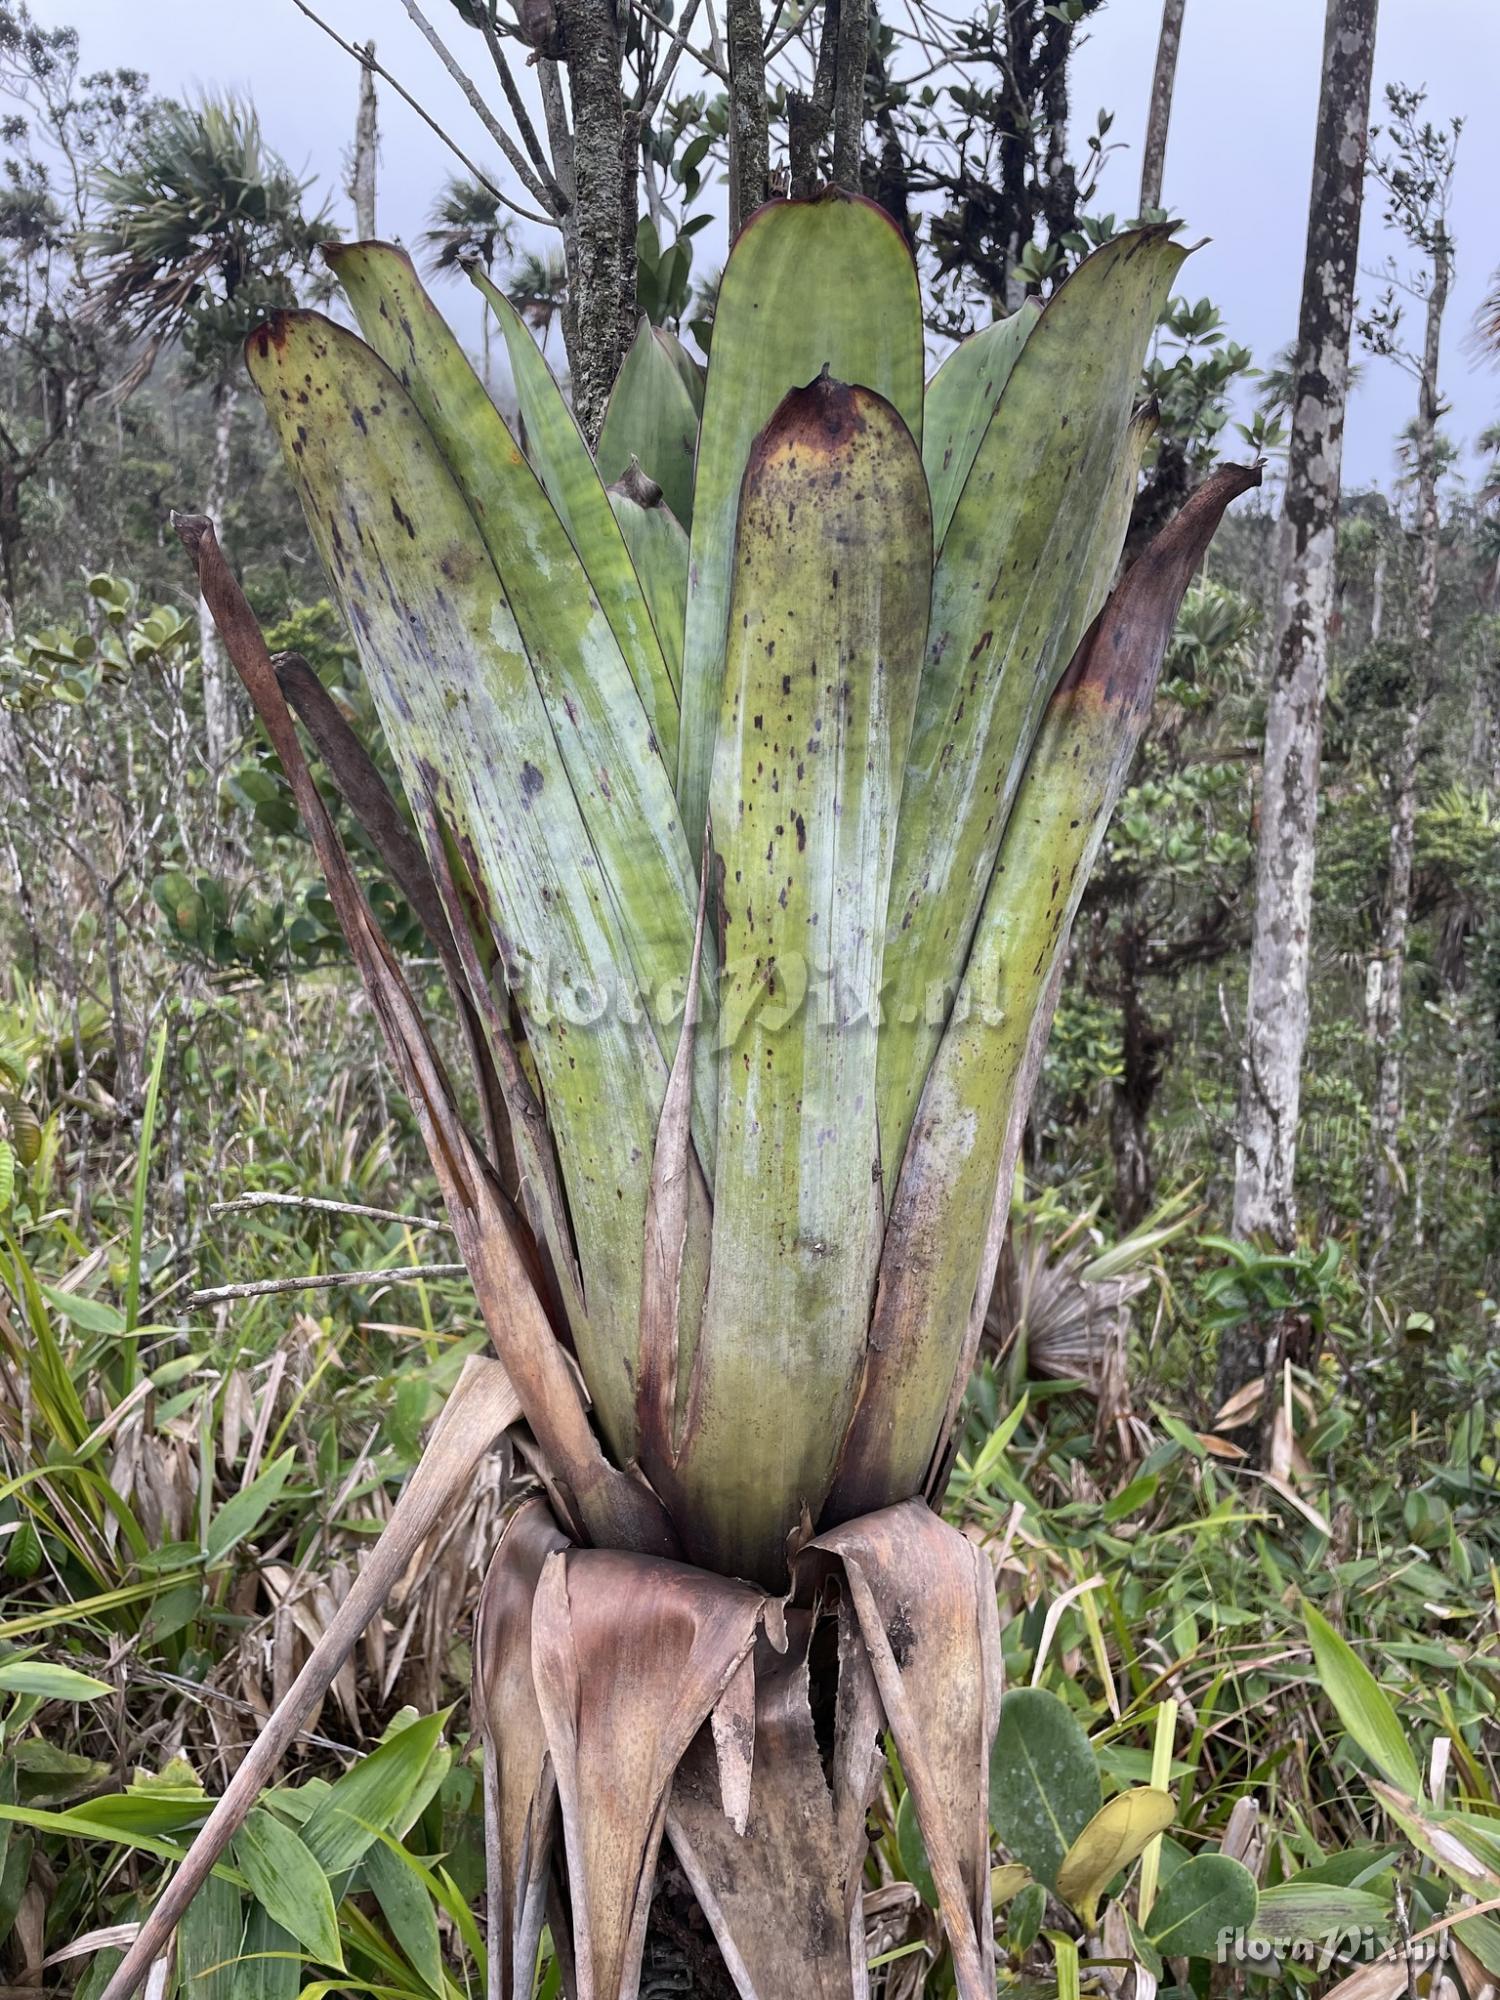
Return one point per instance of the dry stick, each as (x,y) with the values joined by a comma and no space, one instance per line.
(244,1202)
(549,194)
(369,62)
(482,1405)
(264,1288)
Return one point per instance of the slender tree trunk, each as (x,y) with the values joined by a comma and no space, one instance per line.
(1154,152)
(849,94)
(218,694)
(749,131)
(601,269)
(366,141)
(1385,1110)
(1377,596)
(1276,1020)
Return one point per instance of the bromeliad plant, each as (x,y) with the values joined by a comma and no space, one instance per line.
(750,843)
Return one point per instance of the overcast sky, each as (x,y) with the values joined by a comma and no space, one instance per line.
(1239,155)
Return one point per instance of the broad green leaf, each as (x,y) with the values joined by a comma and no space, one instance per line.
(658,547)
(1028,555)
(1209,1894)
(776,328)
(407,1908)
(270,1966)
(951,1162)
(620,756)
(652,419)
(1311,1911)
(960,401)
(1482,1936)
(208,1941)
(1044,1781)
(1026,1914)
(289,1884)
(1361,1704)
(493,797)
(690,371)
(565,466)
(913,1852)
(827,620)
(373,1795)
(54,1683)
(1110,1842)
(88,1315)
(244,1511)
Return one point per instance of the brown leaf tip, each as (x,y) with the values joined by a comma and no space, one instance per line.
(822,419)
(634,484)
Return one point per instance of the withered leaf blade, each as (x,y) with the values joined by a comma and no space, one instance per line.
(501,1259)
(778,1897)
(520,1790)
(924,1597)
(482,1405)
(362,788)
(629,1656)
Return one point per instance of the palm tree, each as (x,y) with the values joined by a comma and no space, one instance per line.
(203,231)
(755,954)
(465,228)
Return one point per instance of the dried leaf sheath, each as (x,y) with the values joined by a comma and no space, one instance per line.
(629,1657)
(520,1788)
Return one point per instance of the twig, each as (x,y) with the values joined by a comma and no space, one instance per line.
(548,194)
(243,1202)
(369,62)
(679,36)
(265,1287)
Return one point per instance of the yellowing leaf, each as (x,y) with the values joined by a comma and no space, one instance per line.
(1113,1838)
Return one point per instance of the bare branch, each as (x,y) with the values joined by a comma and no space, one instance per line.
(264,1288)
(369,62)
(548,194)
(245,1202)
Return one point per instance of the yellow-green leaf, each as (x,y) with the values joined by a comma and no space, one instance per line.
(1113,1838)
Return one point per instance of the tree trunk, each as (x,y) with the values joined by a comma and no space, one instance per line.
(1386,1024)
(1276,1015)
(849,94)
(749,132)
(601,266)
(366,140)
(219,718)
(1154,152)
(1143,1045)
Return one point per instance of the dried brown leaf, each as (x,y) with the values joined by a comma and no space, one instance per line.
(520,1790)
(629,1656)
(924,1597)
(778,1895)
